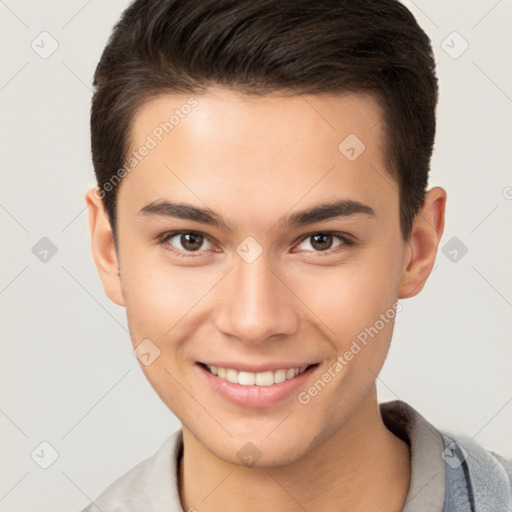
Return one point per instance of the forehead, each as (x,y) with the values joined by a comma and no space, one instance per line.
(225,148)
(221,110)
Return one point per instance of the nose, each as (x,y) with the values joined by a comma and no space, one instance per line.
(256,304)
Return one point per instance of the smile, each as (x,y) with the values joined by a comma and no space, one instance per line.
(255,385)
(268,378)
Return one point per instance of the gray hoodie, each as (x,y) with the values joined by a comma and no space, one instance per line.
(449,472)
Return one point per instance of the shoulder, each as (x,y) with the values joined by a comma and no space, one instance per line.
(449,466)
(483,473)
(151,485)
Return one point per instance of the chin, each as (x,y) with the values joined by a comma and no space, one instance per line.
(263,447)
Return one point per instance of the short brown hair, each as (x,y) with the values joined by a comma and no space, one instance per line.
(264,46)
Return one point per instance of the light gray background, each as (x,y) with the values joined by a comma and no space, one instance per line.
(68,376)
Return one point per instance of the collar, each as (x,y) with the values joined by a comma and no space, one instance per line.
(428,474)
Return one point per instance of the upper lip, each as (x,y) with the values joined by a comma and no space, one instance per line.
(257,368)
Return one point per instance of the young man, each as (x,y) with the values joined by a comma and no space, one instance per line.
(261,208)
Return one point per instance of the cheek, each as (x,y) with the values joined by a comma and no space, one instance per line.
(159,296)
(350,297)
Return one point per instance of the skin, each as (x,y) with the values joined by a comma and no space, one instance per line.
(253,160)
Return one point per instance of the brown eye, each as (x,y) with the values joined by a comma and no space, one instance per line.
(321,241)
(183,242)
(324,242)
(191,241)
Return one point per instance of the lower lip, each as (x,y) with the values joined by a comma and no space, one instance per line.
(256,396)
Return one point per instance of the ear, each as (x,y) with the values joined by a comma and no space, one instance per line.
(428,227)
(103,248)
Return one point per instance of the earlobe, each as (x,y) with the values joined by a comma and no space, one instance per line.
(422,247)
(103,248)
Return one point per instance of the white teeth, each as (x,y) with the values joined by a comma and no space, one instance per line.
(279,376)
(265,379)
(232,376)
(259,379)
(247,378)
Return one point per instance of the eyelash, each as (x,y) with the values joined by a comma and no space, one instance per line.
(346,240)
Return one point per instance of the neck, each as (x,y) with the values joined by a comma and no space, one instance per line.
(361,467)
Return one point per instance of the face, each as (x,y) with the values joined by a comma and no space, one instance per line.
(259,240)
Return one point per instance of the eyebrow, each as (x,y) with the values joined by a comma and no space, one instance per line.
(318,213)
(326,211)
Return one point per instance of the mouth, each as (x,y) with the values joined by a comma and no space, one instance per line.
(265,378)
(261,387)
